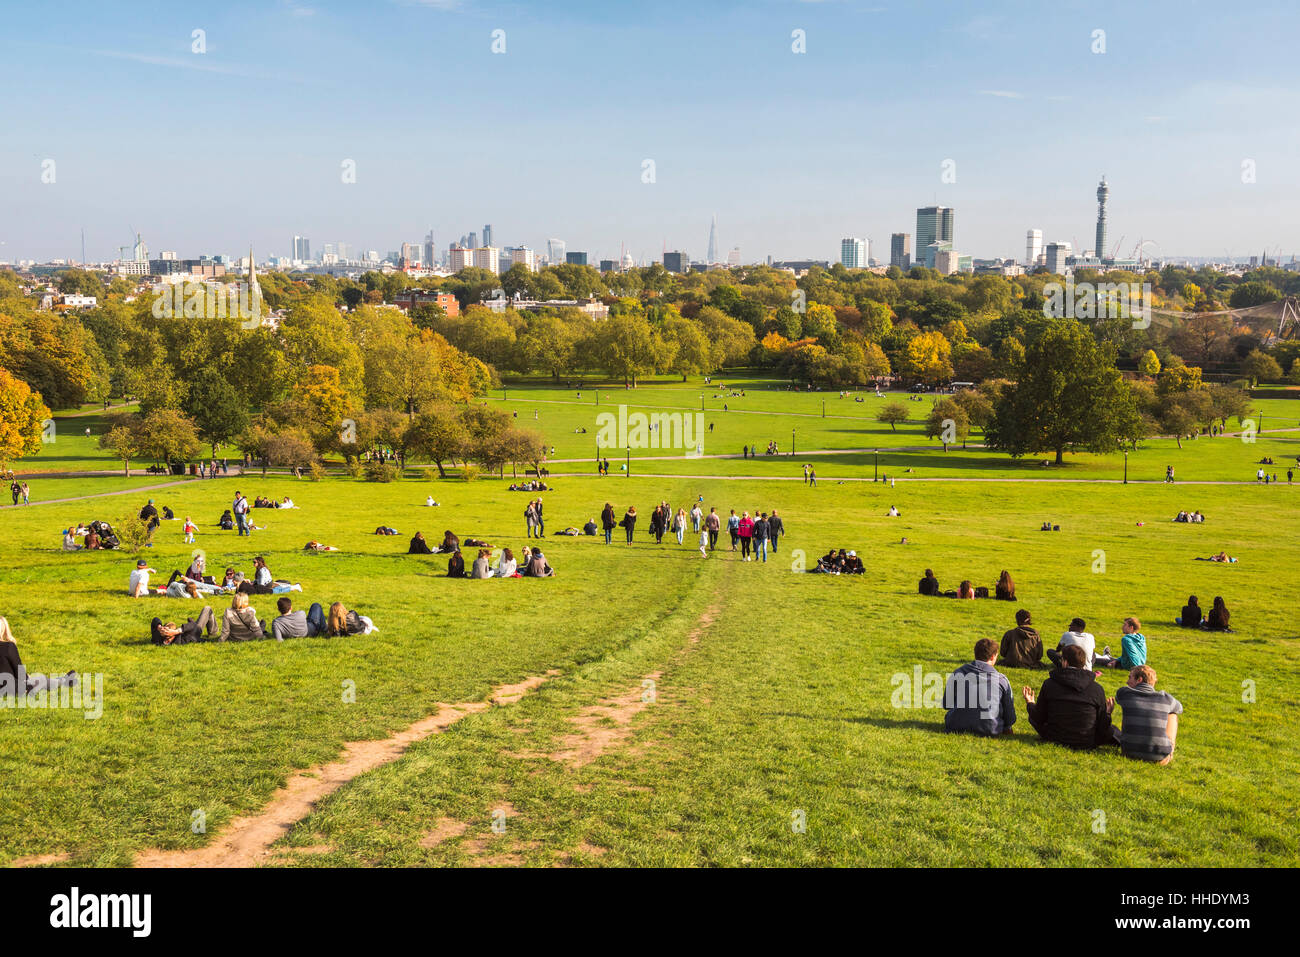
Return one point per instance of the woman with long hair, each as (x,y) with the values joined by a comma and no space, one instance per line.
(1005,588)
(1191,616)
(966,590)
(506,564)
(1218,618)
(679,524)
(343,622)
(629,522)
(929,585)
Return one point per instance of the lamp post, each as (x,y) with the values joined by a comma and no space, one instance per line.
(1126,466)
(792,443)
(823,408)
(876,477)
(701,403)
(629,461)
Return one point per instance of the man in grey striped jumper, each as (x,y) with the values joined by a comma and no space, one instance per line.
(1150,718)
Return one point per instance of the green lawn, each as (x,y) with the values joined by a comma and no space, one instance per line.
(780,704)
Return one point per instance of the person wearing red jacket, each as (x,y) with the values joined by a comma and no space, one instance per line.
(746,532)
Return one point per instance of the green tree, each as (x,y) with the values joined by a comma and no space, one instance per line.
(1149,364)
(1260,365)
(893,413)
(1068,396)
(216,408)
(948,422)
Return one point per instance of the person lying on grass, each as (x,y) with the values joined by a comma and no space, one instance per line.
(1133,648)
(343,622)
(315,546)
(1071,709)
(1150,726)
(977,697)
(1021,646)
(295,624)
(169,633)
(14,677)
(1222,557)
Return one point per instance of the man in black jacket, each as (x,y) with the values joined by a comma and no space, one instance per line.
(150,514)
(1071,708)
(775,529)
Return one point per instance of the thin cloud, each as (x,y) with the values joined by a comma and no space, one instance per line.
(195,62)
(1005,94)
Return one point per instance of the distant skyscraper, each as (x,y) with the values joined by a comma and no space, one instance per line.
(853,253)
(487,257)
(1056,255)
(487,234)
(473,240)
(555,251)
(575,258)
(524,255)
(677,262)
(429,250)
(302,248)
(459,257)
(713,241)
(1033,247)
(934,224)
(1103,191)
(345,251)
(900,250)
(733,257)
(410,254)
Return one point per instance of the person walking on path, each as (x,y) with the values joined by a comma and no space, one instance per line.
(712,525)
(27,494)
(746,532)
(760,536)
(812,477)
(733,527)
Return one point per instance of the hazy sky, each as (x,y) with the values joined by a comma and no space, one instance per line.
(206,153)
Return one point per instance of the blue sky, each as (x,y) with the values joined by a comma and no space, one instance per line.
(205,153)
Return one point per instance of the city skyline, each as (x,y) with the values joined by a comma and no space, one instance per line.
(790,164)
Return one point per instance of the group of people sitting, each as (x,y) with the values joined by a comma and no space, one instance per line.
(1218,619)
(1003,590)
(533,564)
(240,623)
(533,486)
(1193,517)
(195,581)
(1049,527)
(1071,708)
(840,563)
(450,543)
(92,537)
(263,502)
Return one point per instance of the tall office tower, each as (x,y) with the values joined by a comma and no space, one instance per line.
(302,248)
(575,258)
(674,261)
(1103,192)
(934,224)
(853,253)
(713,241)
(430,257)
(1033,247)
(555,251)
(522,254)
(345,252)
(1056,255)
(733,257)
(410,253)
(900,250)
(487,234)
(473,240)
(329,249)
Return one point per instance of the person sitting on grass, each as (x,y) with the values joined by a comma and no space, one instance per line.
(239,623)
(1077,635)
(419,546)
(343,622)
(537,567)
(507,567)
(1218,618)
(450,543)
(1150,726)
(1190,616)
(893,512)
(138,585)
(1005,590)
(456,565)
(589,528)
(966,590)
(227,522)
(70,543)
(929,585)
(1133,649)
(295,624)
(1021,646)
(168,633)
(1071,708)
(853,565)
(14,678)
(92,540)
(482,564)
(977,697)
